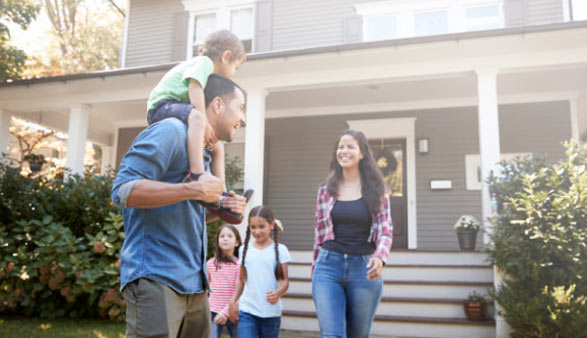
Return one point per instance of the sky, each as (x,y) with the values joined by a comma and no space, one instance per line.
(33,40)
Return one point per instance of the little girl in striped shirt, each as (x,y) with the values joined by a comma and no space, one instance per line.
(223,276)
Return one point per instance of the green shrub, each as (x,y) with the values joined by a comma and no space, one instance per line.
(540,243)
(51,238)
(60,244)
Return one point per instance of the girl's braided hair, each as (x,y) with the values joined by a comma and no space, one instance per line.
(267,214)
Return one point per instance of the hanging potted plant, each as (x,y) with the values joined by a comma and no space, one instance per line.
(474,306)
(467,227)
(35,161)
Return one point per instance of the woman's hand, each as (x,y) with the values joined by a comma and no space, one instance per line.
(220,319)
(376,268)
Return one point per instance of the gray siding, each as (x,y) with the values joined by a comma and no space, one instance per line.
(300,149)
(155,32)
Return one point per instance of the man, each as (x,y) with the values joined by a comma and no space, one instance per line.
(163,260)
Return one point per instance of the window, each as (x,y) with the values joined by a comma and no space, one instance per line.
(482,18)
(379,27)
(242,24)
(207,16)
(407,18)
(431,23)
(203,25)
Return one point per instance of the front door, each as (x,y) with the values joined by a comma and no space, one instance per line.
(390,155)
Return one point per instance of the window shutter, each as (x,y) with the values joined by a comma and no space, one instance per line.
(180,36)
(514,13)
(263,26)
(353,29)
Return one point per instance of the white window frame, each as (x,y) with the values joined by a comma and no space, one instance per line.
(222,10)
(405,11)
(473,168)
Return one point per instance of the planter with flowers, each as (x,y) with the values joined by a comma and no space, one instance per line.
(35,161)
(467,227)
(474,306)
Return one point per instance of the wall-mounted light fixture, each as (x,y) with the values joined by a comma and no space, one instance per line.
(423,146)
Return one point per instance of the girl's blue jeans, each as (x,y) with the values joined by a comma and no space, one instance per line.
(345,299)
(250,326)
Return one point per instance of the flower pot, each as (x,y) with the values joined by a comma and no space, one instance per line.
(35,166)
(474,311)
(467,239)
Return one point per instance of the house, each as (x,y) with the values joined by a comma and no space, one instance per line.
(443,89)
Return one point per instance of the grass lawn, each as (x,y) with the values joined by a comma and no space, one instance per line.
(24,327)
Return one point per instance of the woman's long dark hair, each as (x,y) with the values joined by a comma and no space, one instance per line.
(267,214)
(372,184)
(219,255)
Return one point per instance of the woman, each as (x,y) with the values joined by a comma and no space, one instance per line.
(352,240)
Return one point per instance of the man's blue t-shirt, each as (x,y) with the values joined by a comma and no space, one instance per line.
(166,244)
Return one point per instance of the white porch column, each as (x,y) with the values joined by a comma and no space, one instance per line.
(255,146)
(76,138)
(4,132)
(490,155)
(107,159)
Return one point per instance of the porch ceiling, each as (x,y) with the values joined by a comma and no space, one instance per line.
(431,72)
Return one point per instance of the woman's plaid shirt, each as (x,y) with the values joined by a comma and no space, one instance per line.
(381,228)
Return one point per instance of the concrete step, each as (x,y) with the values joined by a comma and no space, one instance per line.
(413,326)
(415,257)
(393,306)
(410,289)
(395,272)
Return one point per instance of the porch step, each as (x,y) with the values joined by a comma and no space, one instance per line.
(412,288)
(427,272)
(422,294)
(393,306)
(415,326)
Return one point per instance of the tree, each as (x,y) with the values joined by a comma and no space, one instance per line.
(12,59)
(85,36)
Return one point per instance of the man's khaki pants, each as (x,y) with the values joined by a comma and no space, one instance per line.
(156,310)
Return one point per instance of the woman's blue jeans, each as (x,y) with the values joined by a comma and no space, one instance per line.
(345,299)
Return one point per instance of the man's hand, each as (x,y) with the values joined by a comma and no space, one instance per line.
(220,319)
(207,188)
(235,203)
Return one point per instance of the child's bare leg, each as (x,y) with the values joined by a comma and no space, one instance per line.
(197,122)
(217,164)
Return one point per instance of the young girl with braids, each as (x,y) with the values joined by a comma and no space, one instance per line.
(263,278)
(223,272)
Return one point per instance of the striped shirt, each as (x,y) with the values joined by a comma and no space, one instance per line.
(222,283)
(381,228)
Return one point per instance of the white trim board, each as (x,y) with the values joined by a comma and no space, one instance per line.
(398,128)
(417,105)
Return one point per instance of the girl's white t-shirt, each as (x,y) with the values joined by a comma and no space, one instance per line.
(260,265)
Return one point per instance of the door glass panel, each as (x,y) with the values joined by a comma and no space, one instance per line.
(390,160)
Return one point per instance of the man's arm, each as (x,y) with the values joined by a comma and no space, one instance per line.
(148,194)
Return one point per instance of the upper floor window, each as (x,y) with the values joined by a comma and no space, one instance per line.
(431,23)
(408,18)
(379,27)
(242,24)
(207,16)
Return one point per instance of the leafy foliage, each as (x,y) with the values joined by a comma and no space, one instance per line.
(12,59)
(84,36)
(540,243)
